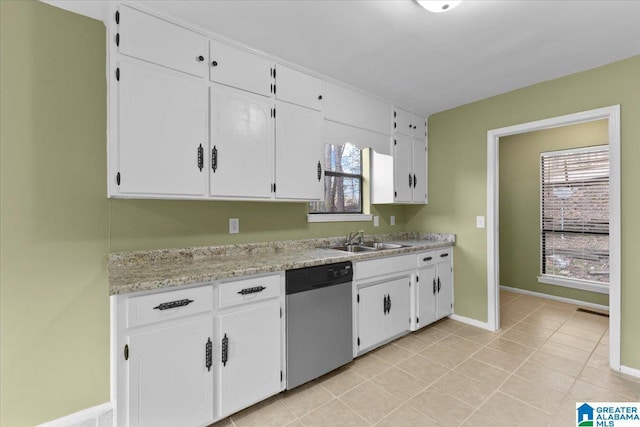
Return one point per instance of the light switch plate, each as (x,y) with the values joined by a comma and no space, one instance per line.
(479,222)
(376,221)
(234,225)
(392,220)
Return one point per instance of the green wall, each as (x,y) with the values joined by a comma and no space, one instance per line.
(520,203)
(58,226)
(458,179)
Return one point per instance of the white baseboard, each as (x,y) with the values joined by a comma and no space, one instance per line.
(471,322)
(630,371)
(97,416)
(555,298)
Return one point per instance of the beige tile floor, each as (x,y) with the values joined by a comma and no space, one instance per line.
(546,357)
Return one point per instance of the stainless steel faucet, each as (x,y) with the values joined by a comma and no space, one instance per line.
(355,237)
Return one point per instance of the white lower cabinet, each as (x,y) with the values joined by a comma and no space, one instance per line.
(189,357)
(169,376)
(434,290)
(383,312)
(249,368)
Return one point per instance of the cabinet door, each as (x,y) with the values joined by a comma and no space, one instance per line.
(298,88)
(399,313)
(241,144)
(251,371)
(403,122)
(155,40)
(403,170)
(427,291)
(419,148)
(169,383)
(420,130)
(163,125)
(445,290)
(298,153)
(372,316)
(232,66)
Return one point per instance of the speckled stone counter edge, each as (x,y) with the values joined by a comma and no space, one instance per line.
(147,270)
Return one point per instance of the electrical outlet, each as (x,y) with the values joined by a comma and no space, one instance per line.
(479,222)
(376,221)
(234,225)
(392,220)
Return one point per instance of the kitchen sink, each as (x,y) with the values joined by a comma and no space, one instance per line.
(368,247)
(353,248)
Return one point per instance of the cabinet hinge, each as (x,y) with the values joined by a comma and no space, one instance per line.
(358,298)
(395,194)
(117,17)
(118,178)
(417,279)
(274,110)
(395,114)
(281,312)
(126,352)
(395,125)
(271,88)
(274,187)
(358,341)
(418,320)
(395,141)
(274,89)
(270,72)
(280,376)
(117,39)
(274,73)
(118,74)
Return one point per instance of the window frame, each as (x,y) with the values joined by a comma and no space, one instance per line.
(568,282)
(344,216)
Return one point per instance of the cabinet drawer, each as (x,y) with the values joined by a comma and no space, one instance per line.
(426,259)
(152,308)
(155,40)
(444,255)
(248,290)
(383,266)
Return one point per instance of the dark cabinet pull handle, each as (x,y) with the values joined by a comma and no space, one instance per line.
(410,180)
(247,291)
(208,354)
(434,285)
(438,285)
(444,255)
(320,97)
(414,180)
(319,171)
(214,63)
(214,159)
(200,157)
(173,304)
(200,58)
(225,350)
(427,258)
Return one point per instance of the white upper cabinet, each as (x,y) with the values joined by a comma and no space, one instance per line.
(241,146)
(298,153)
(239,68)
(155,40)
(410,124)
(352,108)
(162,140)
(419,158)
(298,88)
(403,169)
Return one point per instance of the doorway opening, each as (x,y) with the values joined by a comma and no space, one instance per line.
(612,115)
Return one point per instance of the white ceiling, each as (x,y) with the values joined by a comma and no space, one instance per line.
(427,62)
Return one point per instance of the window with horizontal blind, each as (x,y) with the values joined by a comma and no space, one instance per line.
(574,197)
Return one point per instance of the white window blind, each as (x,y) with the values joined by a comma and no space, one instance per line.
(575,213)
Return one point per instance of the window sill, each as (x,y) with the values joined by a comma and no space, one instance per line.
(584,285)
(338,217)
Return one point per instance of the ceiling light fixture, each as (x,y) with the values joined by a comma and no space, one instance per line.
(438,6)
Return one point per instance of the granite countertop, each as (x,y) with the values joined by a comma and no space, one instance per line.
(157,269)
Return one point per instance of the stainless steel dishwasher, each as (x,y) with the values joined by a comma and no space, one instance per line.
(319,324)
